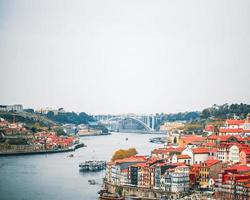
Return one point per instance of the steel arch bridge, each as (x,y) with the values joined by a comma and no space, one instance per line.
(128,124)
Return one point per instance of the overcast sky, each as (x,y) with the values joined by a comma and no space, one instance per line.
(125,56)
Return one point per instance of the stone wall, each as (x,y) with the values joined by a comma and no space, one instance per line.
(143,193)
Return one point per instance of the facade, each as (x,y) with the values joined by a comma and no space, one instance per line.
(245,156)
(177,179)
(186,159)
(208,173)
(197,155)
(8,108)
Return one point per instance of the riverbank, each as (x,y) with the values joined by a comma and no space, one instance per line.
(133,192)
(93,134)
(72,148)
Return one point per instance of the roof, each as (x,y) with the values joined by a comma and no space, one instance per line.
(131,159)
(224,138)
(192,138)
(200,150)
(235,122)
(141,165)
(209,144)
(209,127)
(239,168)
(246,151)
(167,150)
(231,130)
(184,156)
(210,162)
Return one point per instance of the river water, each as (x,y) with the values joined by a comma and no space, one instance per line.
(57,177)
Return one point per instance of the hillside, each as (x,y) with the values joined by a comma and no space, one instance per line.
(26,117)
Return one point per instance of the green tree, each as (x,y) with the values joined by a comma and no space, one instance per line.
(175,140)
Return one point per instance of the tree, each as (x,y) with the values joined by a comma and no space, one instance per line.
(175,140)
(50,114)
(121,153)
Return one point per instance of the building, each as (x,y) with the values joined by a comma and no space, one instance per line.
(177,179)
(208,173)
(183,158)
(209,129)
(234,183)
(245,156)
(236,127)
(197,155)
(234,152)
(191,141)
(170,126)
(11,108)
(164,153)
(118,166)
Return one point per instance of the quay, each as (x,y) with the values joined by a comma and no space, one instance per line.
(141,193)
(19,153)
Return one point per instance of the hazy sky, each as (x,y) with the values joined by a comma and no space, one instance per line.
(125,56)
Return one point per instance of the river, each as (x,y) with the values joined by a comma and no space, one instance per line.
(57,177)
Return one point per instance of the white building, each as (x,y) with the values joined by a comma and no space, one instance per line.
(197,155)
(8,108)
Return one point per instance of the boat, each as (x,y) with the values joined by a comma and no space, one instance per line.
(92,182)
(109,196)
(71,155)
(92,165)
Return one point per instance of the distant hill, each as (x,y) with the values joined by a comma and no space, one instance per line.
(28,118)
(70,118)
(226,111)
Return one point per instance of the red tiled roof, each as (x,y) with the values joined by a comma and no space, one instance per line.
(192,138)
(184,156)
(200,150)
(231,130)
(208,144)
(247,151)
(132,159)
(209,127)
(235,122)
(239,168)
(224,138)
(211,162)
(167,150)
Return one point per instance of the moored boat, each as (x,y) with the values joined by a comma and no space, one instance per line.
(92,165)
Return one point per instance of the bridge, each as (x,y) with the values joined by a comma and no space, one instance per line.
(130,124)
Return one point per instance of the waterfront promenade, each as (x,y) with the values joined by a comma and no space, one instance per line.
(17,153)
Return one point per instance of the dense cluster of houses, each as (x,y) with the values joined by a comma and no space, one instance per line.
(15,137)
(219,162)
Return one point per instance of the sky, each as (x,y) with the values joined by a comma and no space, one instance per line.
(133,56)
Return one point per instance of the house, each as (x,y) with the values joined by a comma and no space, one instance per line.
(183,158)
(164,153)
(234,152)
(119,165)
(177,179)
(197,155)
(217,139)
(194,174)
(124,177)
(209,170)
(191,141)
(209,129)
(160,169)
(236,127)
(233,183)
(245,156)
